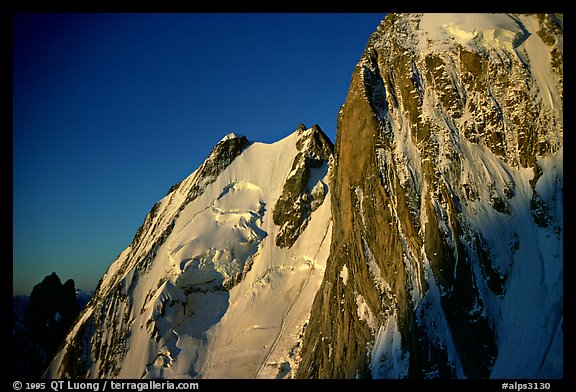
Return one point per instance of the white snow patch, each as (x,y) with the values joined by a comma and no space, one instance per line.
(388,358)
(230,136)
(365,313)
(379,281)
(540,65)
(360,200)
(472,29)
(532,307)
(344,274)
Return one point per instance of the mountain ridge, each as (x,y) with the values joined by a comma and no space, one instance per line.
(200,258)
(436,216)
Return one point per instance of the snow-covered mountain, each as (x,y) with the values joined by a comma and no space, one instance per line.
(446,258)
(429,246)
(219,279)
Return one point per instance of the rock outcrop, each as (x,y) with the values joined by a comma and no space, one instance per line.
(49,313)
(302,193)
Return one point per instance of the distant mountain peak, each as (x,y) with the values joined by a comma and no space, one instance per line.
(180,300)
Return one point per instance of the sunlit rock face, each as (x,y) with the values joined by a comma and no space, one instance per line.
(446,256)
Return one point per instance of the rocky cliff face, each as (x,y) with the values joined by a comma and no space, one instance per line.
(446,255)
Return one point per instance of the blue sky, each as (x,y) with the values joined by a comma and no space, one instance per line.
(110,110)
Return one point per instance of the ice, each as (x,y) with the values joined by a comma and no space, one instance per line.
(389,360)
(229,136)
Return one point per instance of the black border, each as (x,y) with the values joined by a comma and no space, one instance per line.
(9,7)
(284,6)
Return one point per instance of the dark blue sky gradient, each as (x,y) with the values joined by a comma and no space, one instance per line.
(110,110)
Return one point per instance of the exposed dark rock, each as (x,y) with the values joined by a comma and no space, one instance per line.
(49,313)
(299,198)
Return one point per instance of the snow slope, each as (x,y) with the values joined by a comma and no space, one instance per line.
(216,297)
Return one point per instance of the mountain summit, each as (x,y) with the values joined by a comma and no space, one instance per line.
(429,245)
(203,290)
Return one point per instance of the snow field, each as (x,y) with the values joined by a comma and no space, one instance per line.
(183,322)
